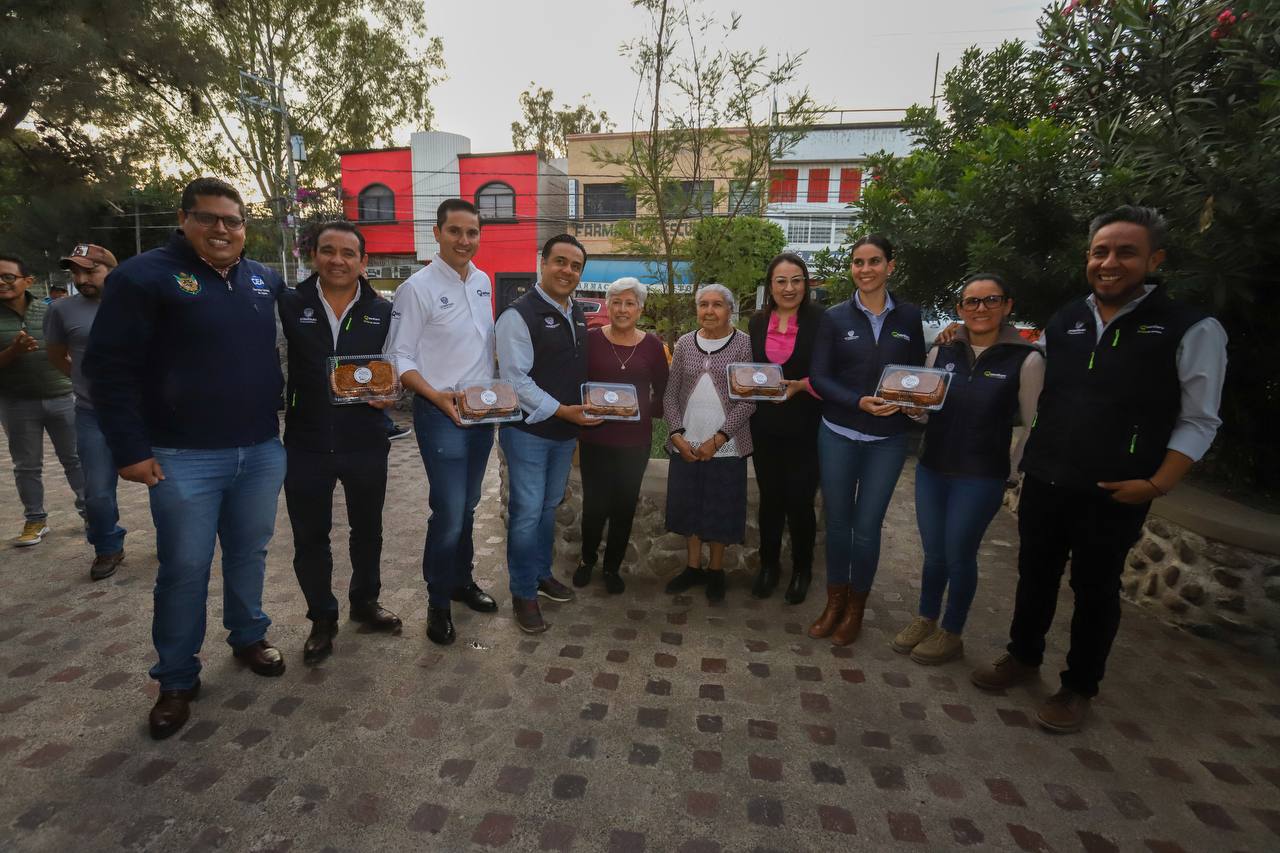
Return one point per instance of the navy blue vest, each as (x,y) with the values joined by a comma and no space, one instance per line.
(1109,406)
(971,434)
(559,362)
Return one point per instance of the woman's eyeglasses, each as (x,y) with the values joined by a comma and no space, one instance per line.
(993,301)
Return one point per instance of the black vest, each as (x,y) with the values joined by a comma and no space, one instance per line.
(970,436)
(1108,406)
(799,415)
(559,361)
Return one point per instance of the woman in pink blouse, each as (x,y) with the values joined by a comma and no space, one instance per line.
(785,435)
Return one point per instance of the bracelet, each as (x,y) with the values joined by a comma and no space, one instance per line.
(1154,486)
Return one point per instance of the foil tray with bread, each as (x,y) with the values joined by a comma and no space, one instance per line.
(922,388)
(362,379)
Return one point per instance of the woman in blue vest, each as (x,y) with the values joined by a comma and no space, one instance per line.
(862,440)
(961,478)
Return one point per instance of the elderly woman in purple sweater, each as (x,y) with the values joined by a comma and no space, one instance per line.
(710,440)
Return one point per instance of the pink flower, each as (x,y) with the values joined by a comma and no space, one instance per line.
(1226,17)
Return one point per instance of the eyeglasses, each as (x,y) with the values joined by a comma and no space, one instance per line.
(971,303)
(10,278)
(208,220)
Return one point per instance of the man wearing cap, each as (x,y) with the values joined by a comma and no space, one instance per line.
(66,331)
(34,399)
(57,290)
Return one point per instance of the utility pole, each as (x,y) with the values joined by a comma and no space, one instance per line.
(277,104)
(933,100)
(137,225)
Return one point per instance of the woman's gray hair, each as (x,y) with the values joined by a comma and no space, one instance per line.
(720,289)
(627,285)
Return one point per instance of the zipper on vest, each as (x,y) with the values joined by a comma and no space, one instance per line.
(1133,441)
(1116,340)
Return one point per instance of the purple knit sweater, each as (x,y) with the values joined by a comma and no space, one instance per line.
(687,366)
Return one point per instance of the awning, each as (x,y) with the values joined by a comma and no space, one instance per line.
(599,273)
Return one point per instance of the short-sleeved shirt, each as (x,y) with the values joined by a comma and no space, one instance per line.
(68,322)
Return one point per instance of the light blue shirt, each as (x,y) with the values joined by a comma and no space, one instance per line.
(877,323)
(515,359)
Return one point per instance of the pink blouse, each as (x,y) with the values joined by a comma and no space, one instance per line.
(778,346)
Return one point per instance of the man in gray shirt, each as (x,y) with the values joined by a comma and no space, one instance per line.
(66,329)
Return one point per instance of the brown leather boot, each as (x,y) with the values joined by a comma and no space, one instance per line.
(837,598)
(851,623)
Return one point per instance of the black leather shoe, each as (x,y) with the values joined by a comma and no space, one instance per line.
(715,586)
(582,575)
(475,598)
(376,617)
(171,711)
(692,576)
(613,582)
(766,581)
(320,641)
(262,657)
(799,586)
(440,626)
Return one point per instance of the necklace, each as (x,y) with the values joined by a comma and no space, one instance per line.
(622,364)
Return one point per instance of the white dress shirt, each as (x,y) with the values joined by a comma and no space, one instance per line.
(442,325)
(515,359)
(335,321)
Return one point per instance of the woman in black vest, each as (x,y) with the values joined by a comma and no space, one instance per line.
(786,462)
(961,477)
(862,441)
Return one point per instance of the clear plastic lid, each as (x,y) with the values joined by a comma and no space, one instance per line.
(912,387)
(362,379)
(756,382)
(611,401)
(487,401)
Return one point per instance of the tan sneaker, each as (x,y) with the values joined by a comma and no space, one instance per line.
(32,533)
(938,647)
(1063,712)
(913,635)
(1006,672)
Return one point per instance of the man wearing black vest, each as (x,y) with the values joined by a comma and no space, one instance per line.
(1130,401)
(335,312)
(542,351)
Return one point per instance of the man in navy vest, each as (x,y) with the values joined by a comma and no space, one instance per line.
(542,351)
(185,378)
(1133,380)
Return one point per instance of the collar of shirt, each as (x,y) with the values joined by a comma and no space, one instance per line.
(225,272)
(1147,290)
(566,312)
(441,268)
(335,321)
(873,316)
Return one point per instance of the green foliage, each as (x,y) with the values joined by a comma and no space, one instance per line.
(735,252)
(1127,101)
(830,269)
(544,128)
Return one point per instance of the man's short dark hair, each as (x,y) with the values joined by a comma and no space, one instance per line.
(336,225)
(209,186)
(1148,217)
(17,262)
(451,204)
(562,238)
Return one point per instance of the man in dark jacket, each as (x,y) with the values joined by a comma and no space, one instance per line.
(1132,384)
(186,382)
(334,313)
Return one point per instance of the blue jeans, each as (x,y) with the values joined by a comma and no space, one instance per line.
(100,510)
(229,495)
(953,514)
(537,472)
(455,458)
(858,478)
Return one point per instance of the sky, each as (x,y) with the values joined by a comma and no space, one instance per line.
(860,54)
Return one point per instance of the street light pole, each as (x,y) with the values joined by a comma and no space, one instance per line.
(277,104)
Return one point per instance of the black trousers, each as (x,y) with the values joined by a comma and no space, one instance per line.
(611,478)
(308,491)
(1097,533)
(787,474)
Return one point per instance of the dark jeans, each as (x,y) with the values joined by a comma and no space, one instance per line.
(100,509)
(787,474)
(953,513)
(455,458)
(308,492)
(611,479)
(1097,533)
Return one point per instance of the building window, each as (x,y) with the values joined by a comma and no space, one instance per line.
(850,185)
(783,184)
(797,230)
(690,198)
(745,197)
(376,203)
(496,201)
(607,201)
(838,229)
(818,180)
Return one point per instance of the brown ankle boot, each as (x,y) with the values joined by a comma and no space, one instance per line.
(837,599)
(851,623)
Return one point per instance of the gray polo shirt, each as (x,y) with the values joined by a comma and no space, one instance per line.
(68,321)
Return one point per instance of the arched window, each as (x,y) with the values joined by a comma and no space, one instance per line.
(376,203)
(496,201)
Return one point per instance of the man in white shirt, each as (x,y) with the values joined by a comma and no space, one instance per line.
(442,334)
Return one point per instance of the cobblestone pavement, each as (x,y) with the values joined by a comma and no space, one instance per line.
(639,722)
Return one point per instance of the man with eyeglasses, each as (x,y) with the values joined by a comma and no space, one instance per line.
(185,378)
(34,399)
